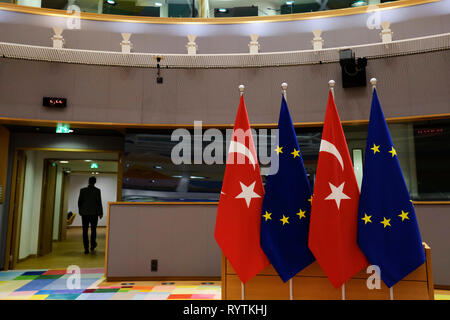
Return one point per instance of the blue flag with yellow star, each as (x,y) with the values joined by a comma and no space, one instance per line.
(286,206)
(388,233)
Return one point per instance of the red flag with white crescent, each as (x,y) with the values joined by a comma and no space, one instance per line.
(239,211)
(334,210)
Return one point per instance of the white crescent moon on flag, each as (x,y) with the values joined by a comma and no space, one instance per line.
(326,146)
(240,148)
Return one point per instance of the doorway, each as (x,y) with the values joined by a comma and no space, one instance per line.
(46,227)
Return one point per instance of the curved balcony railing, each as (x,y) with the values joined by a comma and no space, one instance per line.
(239,60)
(203,11)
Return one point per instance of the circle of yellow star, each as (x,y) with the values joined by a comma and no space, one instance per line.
(393,152)
(404,215)
(296,153)
(279,149)
(267,216)
(310,199)
(366,218)
(301,214)
(375,148)
(385,222)
(284,220)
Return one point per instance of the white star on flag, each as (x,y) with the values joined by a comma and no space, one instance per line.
(337,193)
(247,193)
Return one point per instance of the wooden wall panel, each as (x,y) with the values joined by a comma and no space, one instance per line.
(313,284)
(313,270)
(4,147)
(314,288)
(258,288)
(420,274)
(411,290)
(269,271)
(356,289)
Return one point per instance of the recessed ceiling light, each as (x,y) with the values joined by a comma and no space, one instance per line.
(359,3)
(111,2)
(289,3)
(64,161)
(223,10)
(158,4)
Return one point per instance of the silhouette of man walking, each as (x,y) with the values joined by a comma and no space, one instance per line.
(90,209)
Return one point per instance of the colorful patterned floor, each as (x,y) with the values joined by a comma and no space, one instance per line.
(58,285)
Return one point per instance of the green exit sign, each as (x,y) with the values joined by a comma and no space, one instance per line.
(63,128)
(94,165)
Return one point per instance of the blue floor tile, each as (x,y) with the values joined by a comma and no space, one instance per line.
(96,296)
(63,296)
(37,284)
(9,275)
(61,284)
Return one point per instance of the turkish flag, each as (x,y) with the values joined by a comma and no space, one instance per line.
(239,211)
(334,209)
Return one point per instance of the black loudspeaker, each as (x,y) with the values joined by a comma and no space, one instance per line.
(353,70)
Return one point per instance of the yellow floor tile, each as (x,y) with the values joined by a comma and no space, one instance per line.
(39,297)
(13,285)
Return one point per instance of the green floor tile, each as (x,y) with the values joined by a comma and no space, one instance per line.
(27,277)
(106,290)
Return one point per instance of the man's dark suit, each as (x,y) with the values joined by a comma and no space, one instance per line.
(90,208)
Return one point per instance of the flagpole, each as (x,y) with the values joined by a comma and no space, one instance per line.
(284,87)
(241,91)
(331,84)
(373,81)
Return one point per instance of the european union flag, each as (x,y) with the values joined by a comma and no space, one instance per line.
(388,233)
(286,206)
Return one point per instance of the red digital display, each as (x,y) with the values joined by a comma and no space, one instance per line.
(54,102)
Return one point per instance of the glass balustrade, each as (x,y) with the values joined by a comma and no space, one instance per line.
(198,8)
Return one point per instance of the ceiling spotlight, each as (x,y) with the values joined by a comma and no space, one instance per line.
(158,4)
(63,161)
(359,3)
(223,10)
(289,3)
(111,2)
(157,167)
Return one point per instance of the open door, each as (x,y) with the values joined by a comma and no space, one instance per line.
(64,207)
(17,203)
(47,208)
